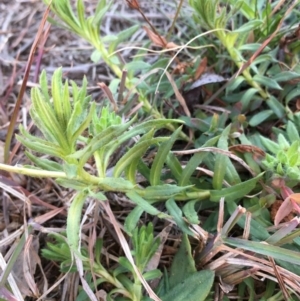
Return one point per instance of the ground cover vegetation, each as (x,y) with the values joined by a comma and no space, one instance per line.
(182,183)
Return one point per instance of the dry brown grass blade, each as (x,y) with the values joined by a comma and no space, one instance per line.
(14,116)
(109,95)
(280,280)
(218,151)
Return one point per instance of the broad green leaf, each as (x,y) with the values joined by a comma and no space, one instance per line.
(160,158)
(131,169)
(247,98)
(176,213)
(292,131)
(132,219)
(235,83)
(153,274)
(96,56)
(190,213)
(252,47)
(276,106)
(183,264)
(270,145)
(283,143)
(137,66)
(260,117)
(248,11)
(148,126)
(123,35)
(109,39)
(195,287)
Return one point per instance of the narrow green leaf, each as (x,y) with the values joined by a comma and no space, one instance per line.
(66,103)
(143,204)
(134,153)
(162,192)
(176,213)
(45,164)
(194,162)
(44,86)
(235,192)
(265,249)
(247,27)
(221,162)
(73,220)
(174,165)
(42,147)
(268,82)
(79,128)
(80,13)
(101,10)
(284,76)
(115,184)
(44,117)
(160,158)
(108,135)
(57,96)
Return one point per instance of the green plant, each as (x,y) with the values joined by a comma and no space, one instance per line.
(182,186)
(105,47)
(284,161)
(123,278)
